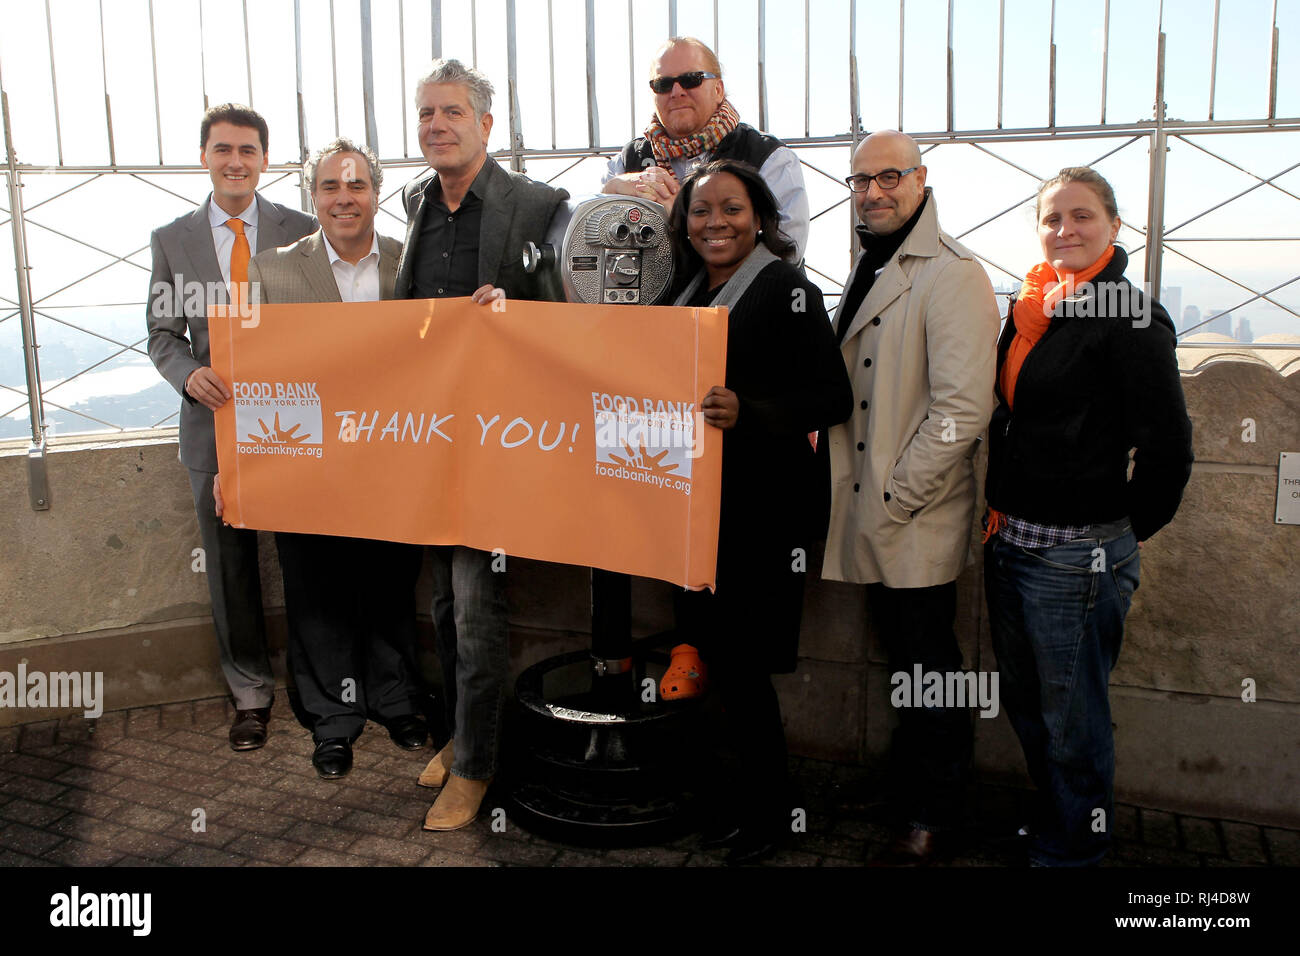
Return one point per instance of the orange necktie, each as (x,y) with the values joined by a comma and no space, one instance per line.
(239,257)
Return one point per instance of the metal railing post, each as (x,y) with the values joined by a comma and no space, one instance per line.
(368,78)
(512,75)
(1156,188)
(38,485)
(304,196)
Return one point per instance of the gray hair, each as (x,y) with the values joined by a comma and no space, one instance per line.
(453,71)
(342,145)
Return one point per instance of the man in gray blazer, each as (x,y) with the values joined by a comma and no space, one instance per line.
(350,601)
(192,269)
(467,223)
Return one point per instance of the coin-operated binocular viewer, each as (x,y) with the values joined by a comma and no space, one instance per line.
(606,760)
(617,250)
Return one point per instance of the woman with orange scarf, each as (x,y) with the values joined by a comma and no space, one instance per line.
(1087,373)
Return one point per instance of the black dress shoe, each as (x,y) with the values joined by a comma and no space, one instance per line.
(916,847)
(248,732)
(408,731)
(332,758)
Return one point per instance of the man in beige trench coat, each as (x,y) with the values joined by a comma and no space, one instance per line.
(918,328)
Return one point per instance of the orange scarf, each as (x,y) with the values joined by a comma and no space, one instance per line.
(1043,288)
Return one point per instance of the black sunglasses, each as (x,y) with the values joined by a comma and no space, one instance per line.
(689,81)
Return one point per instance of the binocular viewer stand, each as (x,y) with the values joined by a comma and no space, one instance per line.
(605,760)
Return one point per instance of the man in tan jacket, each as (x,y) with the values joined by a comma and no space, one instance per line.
(918,327)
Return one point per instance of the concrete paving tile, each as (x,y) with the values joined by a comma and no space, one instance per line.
(204,856)
(143,721)
(1159,829)
(1245,842)
(29,840)
(318,857)
(39,734)
(252,820)
(451,858)
(30,813)
(377,823)
(73,730)
(399,852)
(320,836)
(646,856)
(512,851)
(1200,835)
(77,853)
(177,715)
(1283,846)
(265,848)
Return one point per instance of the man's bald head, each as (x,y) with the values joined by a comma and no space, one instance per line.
(884,211)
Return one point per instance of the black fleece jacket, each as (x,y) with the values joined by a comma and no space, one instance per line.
(1102,380)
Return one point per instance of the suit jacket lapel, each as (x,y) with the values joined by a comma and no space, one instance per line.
(414,223)
(271,233)
(495,224)
(889,285)
(315,263)
(197,245)
(388,259)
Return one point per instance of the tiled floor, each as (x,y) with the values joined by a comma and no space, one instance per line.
(160,785)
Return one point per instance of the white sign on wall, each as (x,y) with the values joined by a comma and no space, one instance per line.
(1288,488)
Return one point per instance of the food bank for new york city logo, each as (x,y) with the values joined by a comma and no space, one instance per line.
(640,438)
(278,413)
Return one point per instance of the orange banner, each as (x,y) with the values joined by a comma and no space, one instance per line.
(547,430)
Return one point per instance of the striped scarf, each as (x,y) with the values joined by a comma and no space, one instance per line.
(723,121)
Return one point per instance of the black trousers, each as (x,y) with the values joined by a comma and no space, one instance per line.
(932,746)
(352,635)
(756,793)
(235,586)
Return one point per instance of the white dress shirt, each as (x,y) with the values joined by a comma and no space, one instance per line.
(223,237)
(360,282)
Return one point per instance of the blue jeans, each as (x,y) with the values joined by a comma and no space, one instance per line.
(469,615)
(1057,619)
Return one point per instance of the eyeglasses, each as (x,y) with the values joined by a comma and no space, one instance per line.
(885,179)
(689,81)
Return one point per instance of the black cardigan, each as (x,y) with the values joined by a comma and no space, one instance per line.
(783,365)
(1102,380)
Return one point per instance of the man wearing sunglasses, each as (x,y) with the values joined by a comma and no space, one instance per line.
(917,327)
(695,123)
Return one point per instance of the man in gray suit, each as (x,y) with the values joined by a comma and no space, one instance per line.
(350,601)
(195,259)
(467,223)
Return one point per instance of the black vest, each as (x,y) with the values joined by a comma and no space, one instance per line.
(743,143)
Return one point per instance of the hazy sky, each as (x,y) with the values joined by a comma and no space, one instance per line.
(95,41)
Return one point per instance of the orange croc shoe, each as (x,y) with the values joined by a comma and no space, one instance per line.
(686,675)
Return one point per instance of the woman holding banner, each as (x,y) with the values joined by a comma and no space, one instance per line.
(785,379)
(1086,373)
